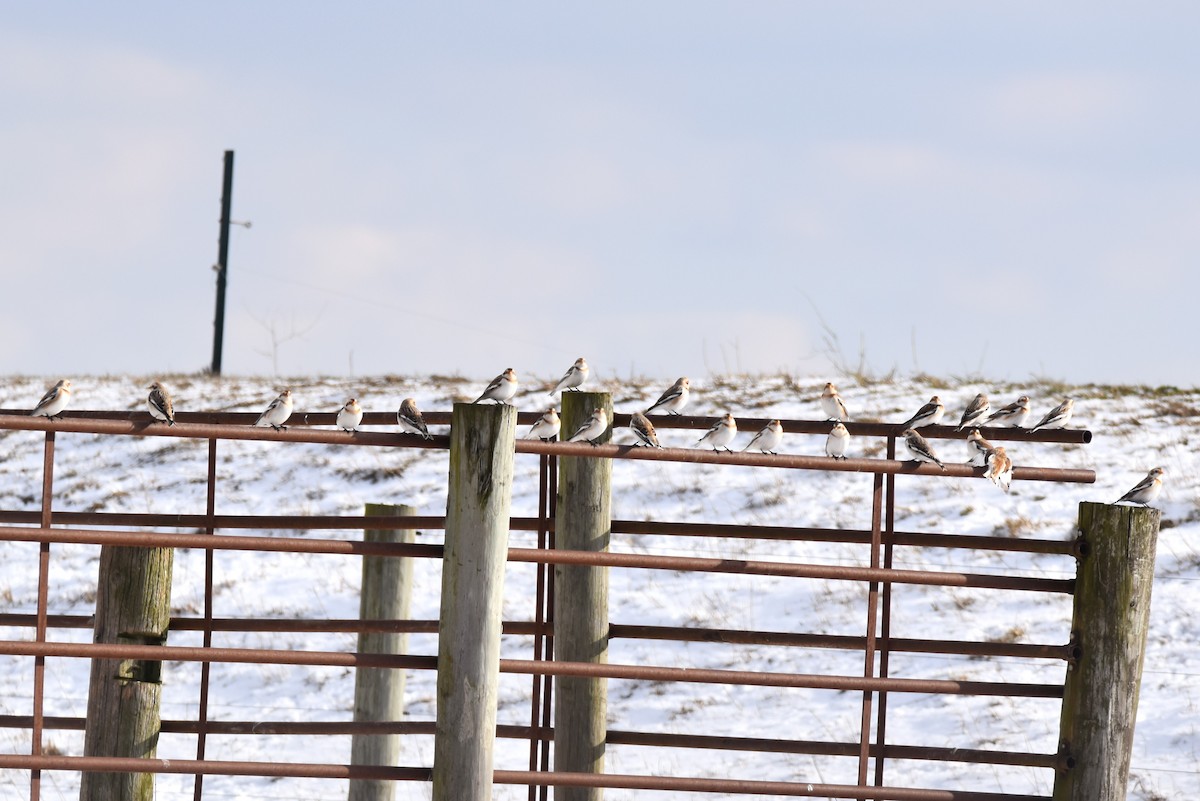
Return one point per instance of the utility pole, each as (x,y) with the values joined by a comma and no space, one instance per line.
(222,264)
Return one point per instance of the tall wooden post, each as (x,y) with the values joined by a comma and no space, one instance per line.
(387,583)
(482,438)
(1111,617)
(583,523)
(133,607)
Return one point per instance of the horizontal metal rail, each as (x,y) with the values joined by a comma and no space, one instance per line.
(543,556)
(176,653)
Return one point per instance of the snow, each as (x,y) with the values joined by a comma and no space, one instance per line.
(1134,430)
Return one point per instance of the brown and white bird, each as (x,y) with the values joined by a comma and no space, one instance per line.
(349,416)
(721,434)
(54,401)
(1058,416)
(409,417)
(502,388)
(832,405)
(160,404)
(643,429)
(999,467)
(975,411)
(547,426)
(674,399)
(920,448)
(928,415)
(1145,491)
(767,440)
(977,448)
(837,441)
(1014,414)
(277,412)
(592,428)
(576,374)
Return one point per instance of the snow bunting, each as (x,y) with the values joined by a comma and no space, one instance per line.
(1146,490)
(832,405)
(502,388)
(999,468)
(721,434)
(928,415)
(919,447)
(976,409)
(277,412)
(978,448)
(674,399)
(592,429)
(160,404)
(54,401)
(768,439)
(836,442)
(547,426)
(1058,416)
(349,416)
(410,419)
(576,374)
(643,429)
(1014,414)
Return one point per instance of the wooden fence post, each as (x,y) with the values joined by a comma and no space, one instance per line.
(1111,617)
(583,523)
(133,607)
(387,583)
(482,442)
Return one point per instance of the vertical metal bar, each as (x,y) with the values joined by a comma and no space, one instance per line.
(535,729)
(43,603)
(885,626)
(864,744)
(222,262)
(548,687)
(205,667)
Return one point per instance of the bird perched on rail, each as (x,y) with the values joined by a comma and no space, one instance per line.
(502,388)
(643,429)
(721,434)
(410,419)
(928,415)
(920,448)
(576,374)
(978,448)
(1058,416)
(160,404)
(592,429)
(999,467)
(674,399)
(277,412)
(350,415)
(1014,414)
(54,401)
(768,439)
(832,404)
(547,426)
(837,441)
(1145,491)
(975,411)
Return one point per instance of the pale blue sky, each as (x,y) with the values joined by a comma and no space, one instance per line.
(1009,189)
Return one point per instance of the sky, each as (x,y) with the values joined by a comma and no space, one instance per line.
(676,188)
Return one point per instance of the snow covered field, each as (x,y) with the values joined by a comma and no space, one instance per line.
(1134,429)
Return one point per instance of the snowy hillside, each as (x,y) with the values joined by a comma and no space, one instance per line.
(1134,429)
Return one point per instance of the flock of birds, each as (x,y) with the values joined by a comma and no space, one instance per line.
(979,413)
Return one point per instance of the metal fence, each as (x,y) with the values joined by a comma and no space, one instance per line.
(875,685)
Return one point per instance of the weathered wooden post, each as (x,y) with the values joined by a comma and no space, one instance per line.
(583,523)
(133,607)
(482,438)
(386,594)
(1112,613)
